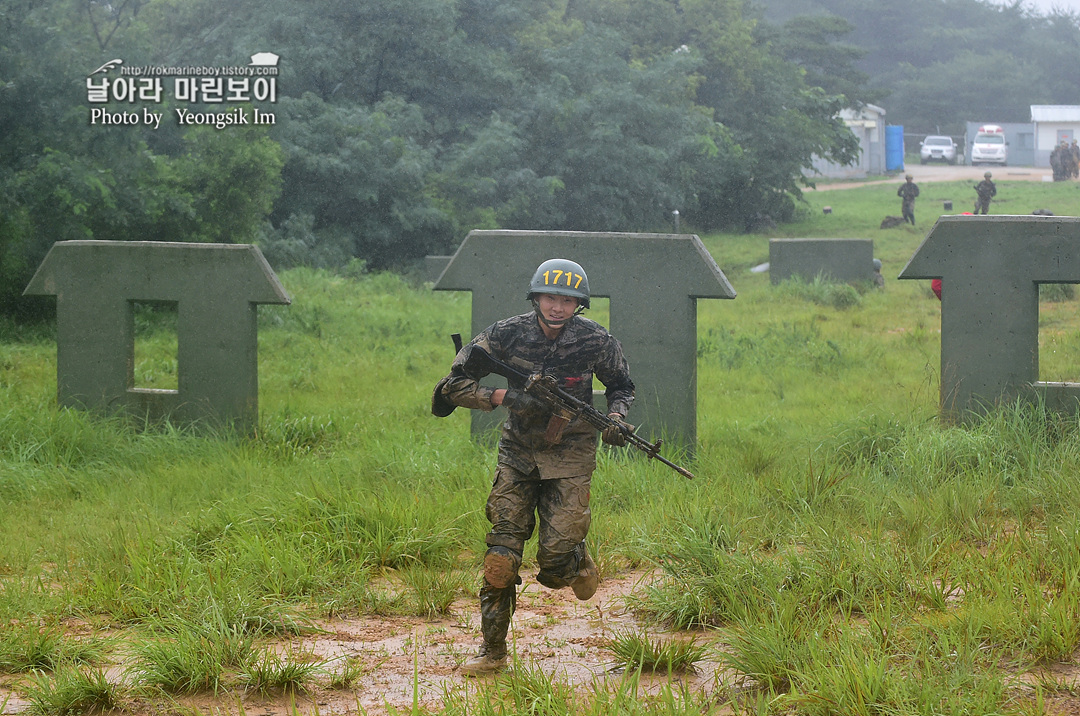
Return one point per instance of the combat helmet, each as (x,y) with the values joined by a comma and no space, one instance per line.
(988,175)
(560,277)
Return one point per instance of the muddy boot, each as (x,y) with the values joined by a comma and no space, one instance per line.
(588,577)
(491,659)
(496,607)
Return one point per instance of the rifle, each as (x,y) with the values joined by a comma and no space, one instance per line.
(562,404)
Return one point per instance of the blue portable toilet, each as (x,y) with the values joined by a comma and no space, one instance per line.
(894,147)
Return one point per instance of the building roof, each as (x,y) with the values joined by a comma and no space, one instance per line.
(1055,113)
(867,116)
(867,111)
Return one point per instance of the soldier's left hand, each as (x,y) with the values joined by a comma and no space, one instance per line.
(613,435)
(522,404)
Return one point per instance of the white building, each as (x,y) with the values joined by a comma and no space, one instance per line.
(1053,123)
(868,124)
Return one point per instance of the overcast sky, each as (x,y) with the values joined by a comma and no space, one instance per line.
(1045,6)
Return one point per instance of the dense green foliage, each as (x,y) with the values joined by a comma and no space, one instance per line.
(402,124)
(935,64)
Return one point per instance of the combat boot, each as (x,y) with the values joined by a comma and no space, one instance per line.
(587,580)
(490,659)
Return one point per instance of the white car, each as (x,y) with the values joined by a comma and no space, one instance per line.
(937,148)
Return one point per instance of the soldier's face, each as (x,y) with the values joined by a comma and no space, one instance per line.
(556,309)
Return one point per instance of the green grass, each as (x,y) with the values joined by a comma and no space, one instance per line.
(638,650)
(28,647)
(72,690)
(185,658)
(272,671)
(844,551)
(347,671)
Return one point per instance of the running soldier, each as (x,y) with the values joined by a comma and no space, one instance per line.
(984,192)
(544,464)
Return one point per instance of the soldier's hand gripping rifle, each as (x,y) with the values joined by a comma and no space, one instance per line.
(561,403)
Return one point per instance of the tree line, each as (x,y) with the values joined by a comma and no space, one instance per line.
(936,64)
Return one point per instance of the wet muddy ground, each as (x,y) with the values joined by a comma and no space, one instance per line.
(413,660)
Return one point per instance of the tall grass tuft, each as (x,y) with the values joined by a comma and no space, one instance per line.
(637,649)
(865,440)
(72,690)
(28,647)
(349,672)
(433,589)
(185,656)
(290,437)
(528,689)
(289,671)
(772,650)
(821,291)
(705,588)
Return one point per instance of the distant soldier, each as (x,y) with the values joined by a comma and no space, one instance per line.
(1064,166)
(1056,163)
(1074,155)
(907,193)
(879,280)
(984,192)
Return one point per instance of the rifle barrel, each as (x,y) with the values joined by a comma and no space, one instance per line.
(681,470)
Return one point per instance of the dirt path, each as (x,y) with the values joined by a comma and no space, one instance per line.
(944,172)
(406,658)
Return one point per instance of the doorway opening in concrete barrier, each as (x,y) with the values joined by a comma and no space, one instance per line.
(155,345)
(600,311)
(1059,346)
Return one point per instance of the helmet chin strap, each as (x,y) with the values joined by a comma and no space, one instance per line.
(552,324)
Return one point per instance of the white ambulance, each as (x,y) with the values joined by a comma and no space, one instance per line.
(990,146)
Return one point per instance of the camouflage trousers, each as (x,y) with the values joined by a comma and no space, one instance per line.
(517,502)
(907,209)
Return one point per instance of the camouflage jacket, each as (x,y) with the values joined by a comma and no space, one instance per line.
(986,189)
(582,349)
(908,191)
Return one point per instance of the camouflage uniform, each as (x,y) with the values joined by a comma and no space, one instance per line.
(534,475)
(985,191)
(907,193)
